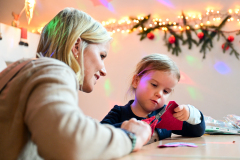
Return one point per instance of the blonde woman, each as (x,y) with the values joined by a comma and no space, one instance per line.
(39,112)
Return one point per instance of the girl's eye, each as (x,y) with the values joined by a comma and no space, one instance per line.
(165,91)
(154,85)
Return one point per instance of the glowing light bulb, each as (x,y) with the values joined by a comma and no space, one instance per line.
(167,19)
(118,30)
(196,26)
(150,25)
(163,23)
(230,10)
(187,27)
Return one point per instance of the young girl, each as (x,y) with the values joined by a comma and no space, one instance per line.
(154,80)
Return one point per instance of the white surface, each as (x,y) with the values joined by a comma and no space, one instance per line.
(10,50)
(3,65)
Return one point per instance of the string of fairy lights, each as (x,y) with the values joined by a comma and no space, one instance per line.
(197,20)
(125,24)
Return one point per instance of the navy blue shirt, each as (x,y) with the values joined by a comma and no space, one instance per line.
(118,114)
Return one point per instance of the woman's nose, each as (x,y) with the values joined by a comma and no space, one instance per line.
(103,72)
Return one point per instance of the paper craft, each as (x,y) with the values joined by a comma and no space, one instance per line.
(177,144)
(152,122)
(168,121)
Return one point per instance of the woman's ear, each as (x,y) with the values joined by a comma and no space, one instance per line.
(135,81)
(75,48)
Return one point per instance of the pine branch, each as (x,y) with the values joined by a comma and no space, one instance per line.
(209,37)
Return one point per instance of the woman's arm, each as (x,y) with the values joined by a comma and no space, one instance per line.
(58,126)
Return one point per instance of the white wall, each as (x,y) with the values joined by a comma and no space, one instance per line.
(215,94)
(10,50)
(203,82)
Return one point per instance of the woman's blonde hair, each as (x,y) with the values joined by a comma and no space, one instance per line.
(61,33)
(155,61)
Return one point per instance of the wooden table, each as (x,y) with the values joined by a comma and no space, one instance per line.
(209,147)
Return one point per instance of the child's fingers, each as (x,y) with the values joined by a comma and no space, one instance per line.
(179,108)
(182,118)
(178,114)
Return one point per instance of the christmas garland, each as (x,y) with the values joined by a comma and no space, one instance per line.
(206,34)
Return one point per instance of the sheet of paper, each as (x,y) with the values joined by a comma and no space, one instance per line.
(168,121)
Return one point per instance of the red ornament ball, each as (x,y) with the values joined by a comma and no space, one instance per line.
(200,35)
(150,35)
(226,47)
(171,39)
(230,38)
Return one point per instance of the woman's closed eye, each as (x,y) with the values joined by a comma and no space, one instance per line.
(103,56)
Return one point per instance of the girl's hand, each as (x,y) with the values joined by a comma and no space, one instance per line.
(182,112)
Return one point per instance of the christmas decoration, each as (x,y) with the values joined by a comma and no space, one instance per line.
(225,46)
(171,39)
(15,22)
(150,35)
(0,32)
(200,35)
(29,7)
(230,38)
(23,40)
(209,32)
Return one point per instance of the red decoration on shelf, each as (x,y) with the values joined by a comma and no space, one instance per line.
(171,39)
(230,38)
(226,47)
(150,35)
(200,35)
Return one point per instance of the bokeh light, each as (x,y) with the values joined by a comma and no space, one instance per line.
(222,68)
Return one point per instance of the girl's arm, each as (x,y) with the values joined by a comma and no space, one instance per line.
(192,130)
(113,117)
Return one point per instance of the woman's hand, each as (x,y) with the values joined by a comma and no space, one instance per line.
(182,112)
(141,129)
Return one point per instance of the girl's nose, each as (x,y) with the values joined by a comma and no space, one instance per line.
(159,94)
